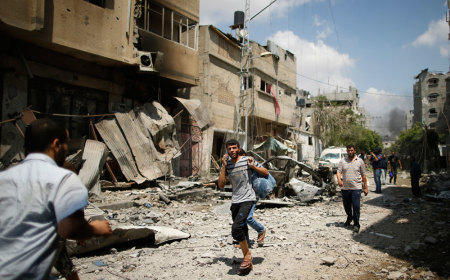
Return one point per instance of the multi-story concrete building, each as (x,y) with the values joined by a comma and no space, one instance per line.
(409,119)
(94,57)
(431,100)
(349,99)
(270,87)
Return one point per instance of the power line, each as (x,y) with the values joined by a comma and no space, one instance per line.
(337,86)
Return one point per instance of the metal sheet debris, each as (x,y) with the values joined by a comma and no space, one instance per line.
(114,139)
(94,158)
(195,108)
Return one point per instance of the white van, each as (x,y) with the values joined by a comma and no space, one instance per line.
(332,156)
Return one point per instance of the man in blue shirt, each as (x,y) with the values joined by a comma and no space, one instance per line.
(38,201)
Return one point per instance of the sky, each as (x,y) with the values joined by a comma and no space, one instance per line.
(378,47)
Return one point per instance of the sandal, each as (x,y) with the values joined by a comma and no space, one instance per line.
(246,266)
(261,236)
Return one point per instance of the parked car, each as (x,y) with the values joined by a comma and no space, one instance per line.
(331,156)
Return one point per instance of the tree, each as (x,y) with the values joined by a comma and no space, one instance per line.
(337,126)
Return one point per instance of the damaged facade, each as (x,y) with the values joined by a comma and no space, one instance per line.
(349,99)
(431,105)
(71,59)
(270,87)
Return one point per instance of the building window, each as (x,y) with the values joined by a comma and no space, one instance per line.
(433,97)
(266,87)
(310,142)
(433,113)
(433,82)
(250,82)
(167,23)
(100,3)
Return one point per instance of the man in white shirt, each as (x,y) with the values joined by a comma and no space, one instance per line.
(38,201)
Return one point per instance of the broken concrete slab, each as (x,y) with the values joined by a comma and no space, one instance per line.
(304,191)
(155,234)
(275,203)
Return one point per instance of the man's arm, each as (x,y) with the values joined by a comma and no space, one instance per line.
(366,190)
(76,227)
(374,156)
(400,164)
(340,182)
(222,176)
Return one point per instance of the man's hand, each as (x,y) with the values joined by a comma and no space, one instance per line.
(341,183)
(101,227)
(366,190)
(224,160)
(251,162)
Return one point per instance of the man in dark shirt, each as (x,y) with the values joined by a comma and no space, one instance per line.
(393,163)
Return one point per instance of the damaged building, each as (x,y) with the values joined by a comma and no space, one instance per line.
(89,63)
(270,88)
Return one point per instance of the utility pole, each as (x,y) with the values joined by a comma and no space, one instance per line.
(244,34)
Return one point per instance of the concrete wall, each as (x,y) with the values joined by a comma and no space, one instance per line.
(80,29)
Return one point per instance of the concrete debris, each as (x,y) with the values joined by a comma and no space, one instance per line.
(328,260)
(395,275)
(154,234)
(304,191)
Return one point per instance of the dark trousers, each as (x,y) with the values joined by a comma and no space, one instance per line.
(239,213)
(351,199)
(394,173)
(415,187)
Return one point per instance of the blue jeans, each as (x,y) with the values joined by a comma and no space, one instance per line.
(376,177)
(351,199)
(383,176)
(252,222)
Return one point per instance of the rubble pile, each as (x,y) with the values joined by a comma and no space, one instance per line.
(437,186)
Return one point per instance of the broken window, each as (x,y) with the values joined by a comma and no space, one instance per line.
(433,97)
(433,113)
(100,3)
(167,23)
(310,142)
(433,82)
(52,97)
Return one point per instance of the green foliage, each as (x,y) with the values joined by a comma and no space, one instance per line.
(409,140)
(339,127)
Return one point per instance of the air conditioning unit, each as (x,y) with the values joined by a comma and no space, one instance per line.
(144,59)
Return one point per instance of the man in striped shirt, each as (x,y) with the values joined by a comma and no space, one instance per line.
(239,170)
(351,175)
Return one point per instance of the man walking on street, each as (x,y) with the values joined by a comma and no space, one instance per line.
(377,165)
(394,162)
(351,176)
(239,170)
(38,201)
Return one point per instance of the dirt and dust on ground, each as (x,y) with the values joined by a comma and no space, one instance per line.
(401,237)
